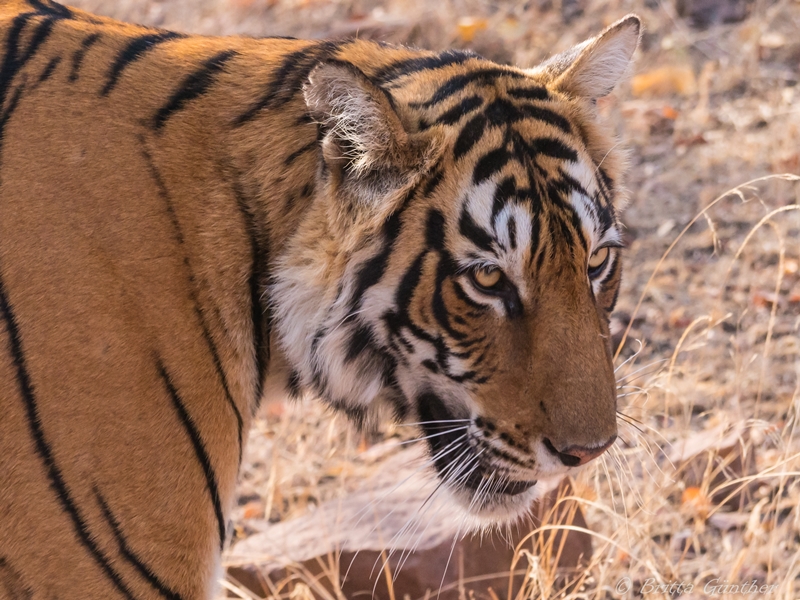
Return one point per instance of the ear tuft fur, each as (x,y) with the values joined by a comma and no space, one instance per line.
(362,128)
(594,68)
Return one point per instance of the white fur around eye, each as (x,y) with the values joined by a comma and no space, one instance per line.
(597,259)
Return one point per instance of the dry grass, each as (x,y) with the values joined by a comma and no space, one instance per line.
(709,316)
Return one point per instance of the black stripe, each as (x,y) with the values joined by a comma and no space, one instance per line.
(512,232)
(553,148)
(455,114)
(569,183)
(356,414)
(459,82)
(164,194)
(199,449)
(533,93)
(567,234)
(51,9)
(489,164)
(444,269)
(12,106)
(12,581)
(135,49)
(43,449)
(360,341)
(129,554)
(48,70)
(474,232)
(547,116)
(434,230)
(194,86)
(606,179)
(505,190)
(536,230)
(293,388)
(373,269)
(432,183)
(39,37)
(430,365)
(502,112)
(615,269)
(408,283)
(289,79)
(13,62)
(469,136)
(408,66)
(299,152)
(80,54)
(464,297)
(257,283)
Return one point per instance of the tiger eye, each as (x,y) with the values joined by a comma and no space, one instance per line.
(599,258)
(487,278)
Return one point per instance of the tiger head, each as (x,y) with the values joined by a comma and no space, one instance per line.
(461,258)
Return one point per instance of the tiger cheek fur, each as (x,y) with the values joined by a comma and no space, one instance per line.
(187,223)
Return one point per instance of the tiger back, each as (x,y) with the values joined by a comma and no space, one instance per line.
(187,222)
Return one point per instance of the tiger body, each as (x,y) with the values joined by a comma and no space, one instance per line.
(187,221)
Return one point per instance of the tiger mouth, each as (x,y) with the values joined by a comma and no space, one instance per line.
(456,458)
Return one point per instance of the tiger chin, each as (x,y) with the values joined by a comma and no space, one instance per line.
(187,222)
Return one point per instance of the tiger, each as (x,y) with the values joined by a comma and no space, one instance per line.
(191,225)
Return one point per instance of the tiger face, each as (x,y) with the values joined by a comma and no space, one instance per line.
(461,260)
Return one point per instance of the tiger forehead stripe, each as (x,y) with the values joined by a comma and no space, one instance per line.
(484,76)
(396,70)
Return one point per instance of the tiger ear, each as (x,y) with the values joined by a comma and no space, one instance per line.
(592,69)
(367,151)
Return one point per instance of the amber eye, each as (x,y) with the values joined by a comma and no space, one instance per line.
(598,260)
(487,277)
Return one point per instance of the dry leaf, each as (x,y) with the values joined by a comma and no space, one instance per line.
(469,26)
(669,113)
(772,39)
(678,319)
(763,299)
(696,502)
(665,81)
(253,510)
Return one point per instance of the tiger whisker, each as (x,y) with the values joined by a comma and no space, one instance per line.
(466,474)
(631,357)
(447,421)
(427,437)
(627,376)
(363,512)
(454,465)
(625,419)
(428,462)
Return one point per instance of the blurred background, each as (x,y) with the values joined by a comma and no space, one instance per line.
(701,488)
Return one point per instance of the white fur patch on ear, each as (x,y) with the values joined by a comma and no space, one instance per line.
(356,114)
(593,68)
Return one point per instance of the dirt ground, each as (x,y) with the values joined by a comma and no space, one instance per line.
(702,485)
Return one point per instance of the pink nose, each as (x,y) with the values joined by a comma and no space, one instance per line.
(575,456)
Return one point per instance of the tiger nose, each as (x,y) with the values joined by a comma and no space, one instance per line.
(575,456)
